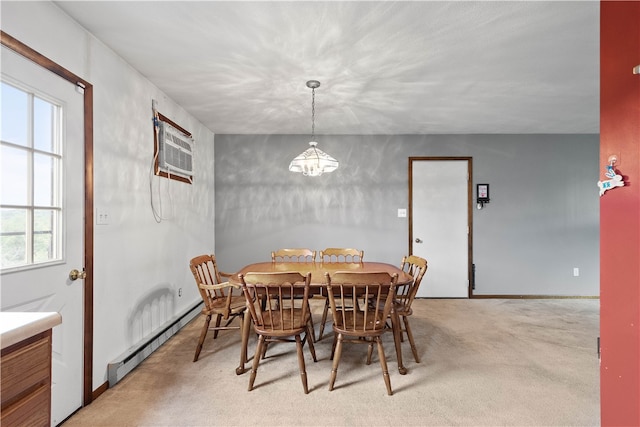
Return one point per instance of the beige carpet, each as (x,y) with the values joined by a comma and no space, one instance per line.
(484,362)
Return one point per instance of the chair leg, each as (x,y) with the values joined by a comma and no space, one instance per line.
(324,318)
(313,328)
(336,361)
(303,372)
(369,352)
(203,334)
(383,365)
(333,346)
(309,340)
(397,331)
(256,361)
(215,331)
(414,349)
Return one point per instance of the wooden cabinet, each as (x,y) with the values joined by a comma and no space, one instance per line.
(25,368)
(26,382)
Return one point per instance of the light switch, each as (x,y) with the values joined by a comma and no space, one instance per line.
(402,213)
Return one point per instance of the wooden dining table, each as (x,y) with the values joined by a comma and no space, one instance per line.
(318,282)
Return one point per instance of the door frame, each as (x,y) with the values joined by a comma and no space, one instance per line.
(39,59)
(469,161)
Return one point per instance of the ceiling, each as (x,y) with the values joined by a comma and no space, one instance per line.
(385,67)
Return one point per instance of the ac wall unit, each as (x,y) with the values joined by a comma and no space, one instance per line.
(175,151)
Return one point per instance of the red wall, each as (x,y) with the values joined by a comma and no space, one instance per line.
(620,214)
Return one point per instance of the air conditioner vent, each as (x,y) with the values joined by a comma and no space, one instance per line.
(175,151)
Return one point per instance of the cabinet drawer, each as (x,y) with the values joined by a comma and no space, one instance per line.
(25,369)
(34,410)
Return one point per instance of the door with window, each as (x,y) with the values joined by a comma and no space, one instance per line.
(440,226)
(42,217)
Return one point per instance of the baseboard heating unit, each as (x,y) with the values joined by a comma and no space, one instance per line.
(131,358)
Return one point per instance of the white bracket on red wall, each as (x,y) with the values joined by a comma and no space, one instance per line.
(615,179)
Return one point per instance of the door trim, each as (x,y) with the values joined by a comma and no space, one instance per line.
(27,52)
(469,161)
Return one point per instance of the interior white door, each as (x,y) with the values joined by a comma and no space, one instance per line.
(49,288)
(440,225)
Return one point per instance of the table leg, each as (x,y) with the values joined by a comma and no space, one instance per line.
(246,327)
(397,331)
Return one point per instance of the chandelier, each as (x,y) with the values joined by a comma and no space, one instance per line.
(313,162)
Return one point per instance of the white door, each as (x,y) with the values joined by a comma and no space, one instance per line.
(440,225)
(35,203)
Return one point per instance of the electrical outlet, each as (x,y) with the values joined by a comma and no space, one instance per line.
(402,213)
(179,292)
(576,272)
(102,216)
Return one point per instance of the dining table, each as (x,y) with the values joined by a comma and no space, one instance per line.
(318,283)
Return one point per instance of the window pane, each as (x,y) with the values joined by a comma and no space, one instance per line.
(13,237)
(43,235)
(43,124)
(14,115)
(43,179)
(14,176)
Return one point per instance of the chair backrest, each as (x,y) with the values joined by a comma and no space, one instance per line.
(273,299)
(212,289)
(341,255)
(415,266)
(293,255)
(372,294)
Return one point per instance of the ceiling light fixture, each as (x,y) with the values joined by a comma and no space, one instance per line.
(313,162)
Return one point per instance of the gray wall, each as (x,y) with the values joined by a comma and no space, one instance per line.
(543,219)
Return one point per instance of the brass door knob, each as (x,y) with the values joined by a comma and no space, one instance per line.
(75,274)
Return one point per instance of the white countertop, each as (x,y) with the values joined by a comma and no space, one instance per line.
(17,326)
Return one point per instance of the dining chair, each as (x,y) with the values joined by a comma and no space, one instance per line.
(218,297)
(406,293)
(341,255)
(332,255)
(278,315)
(296,255)
(293,255)
(366,323)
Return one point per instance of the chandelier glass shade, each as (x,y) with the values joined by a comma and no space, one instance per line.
(313,161)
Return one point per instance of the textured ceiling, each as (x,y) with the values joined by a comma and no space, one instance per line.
(420,67)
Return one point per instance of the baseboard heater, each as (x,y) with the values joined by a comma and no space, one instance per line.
(131,358)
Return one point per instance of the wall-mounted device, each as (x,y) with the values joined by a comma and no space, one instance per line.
(175,151)
(482,194)
(173,148)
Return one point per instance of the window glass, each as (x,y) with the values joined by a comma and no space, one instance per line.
(13,240)
(43,179)
(14,175)
(43,124)
(14,116)
(43,231)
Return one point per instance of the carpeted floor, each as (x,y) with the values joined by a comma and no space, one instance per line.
(485,362)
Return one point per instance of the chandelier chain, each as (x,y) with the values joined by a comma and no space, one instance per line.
(313,113)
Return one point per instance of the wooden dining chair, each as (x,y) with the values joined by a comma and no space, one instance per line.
(333,255)
(296,255)
(366,323)
(341,255)
(293,255)
(405,294)
(278,315)
(218,297)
